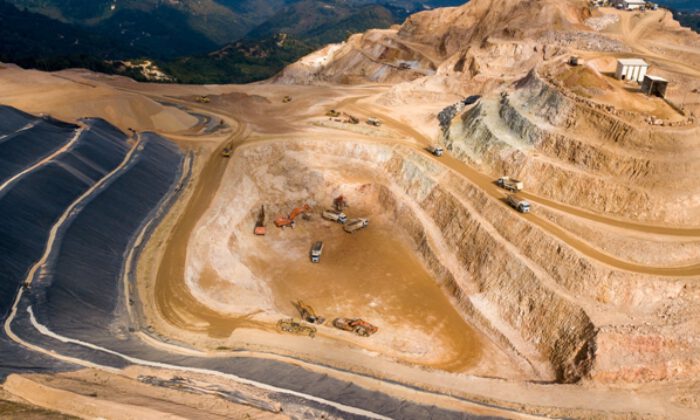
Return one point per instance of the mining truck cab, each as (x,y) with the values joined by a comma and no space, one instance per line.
(523,206)
(335,216)
(436,150)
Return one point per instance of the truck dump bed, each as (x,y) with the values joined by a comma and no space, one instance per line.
(355,224)
(510,184)
(316,251)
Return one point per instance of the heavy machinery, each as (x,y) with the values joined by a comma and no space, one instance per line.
(307,313)
(332,113)
(351,119)
(355,224)
(260,228)
(374,121)
(355,325)
(288,221)
(286,99)
(316,251)
(293,326)
(521,205)
(435,150)
(227,152)
(334,216)
(510,184)
(203,99)
(340,203)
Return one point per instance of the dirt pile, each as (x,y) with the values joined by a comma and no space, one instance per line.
(571,152)
(493,38)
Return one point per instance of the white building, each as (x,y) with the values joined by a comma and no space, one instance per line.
(631,69)
(630,4)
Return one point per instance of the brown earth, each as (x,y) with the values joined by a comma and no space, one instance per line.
(597,287)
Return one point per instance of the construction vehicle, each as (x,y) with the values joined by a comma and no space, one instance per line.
(335,216)
(228,151)
(203,99)
(260,228)
(351,119)
(355,325)
(510,184)
(340,203)
(332,113)
(435,150)
(316,251)
(286,99)
(294,326)
(288,221)
(307,313)
(374,121)
(355,224)
(523,206)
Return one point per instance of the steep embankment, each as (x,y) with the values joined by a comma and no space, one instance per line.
(483,37)
(579,154)
(559,314)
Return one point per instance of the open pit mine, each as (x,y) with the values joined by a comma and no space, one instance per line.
(487,211)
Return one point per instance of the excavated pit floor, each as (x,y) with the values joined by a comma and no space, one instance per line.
(238,281)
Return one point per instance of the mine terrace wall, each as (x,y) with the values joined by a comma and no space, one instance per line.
(555,335)
(523,287)
(611,172)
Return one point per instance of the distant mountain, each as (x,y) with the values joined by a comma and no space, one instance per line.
(163,27)
(680,5)
(687,12)
(196,41)
(289,34)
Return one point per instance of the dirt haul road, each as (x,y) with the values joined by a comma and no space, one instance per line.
(177,304)
(487,183)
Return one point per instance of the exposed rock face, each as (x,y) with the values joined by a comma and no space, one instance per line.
(500,39)
(577,154)
(563,316)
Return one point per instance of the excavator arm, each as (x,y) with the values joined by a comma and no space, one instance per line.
(299,210)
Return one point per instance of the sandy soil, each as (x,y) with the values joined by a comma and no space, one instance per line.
(209,287)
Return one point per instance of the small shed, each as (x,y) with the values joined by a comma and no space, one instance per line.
(654,85)
(631,69)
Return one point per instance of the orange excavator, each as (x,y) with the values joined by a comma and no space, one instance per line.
(355,325)
(288,221)
(260,228)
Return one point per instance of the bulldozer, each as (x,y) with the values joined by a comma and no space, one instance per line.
(355,325)
(332,113)
(286,99)
(260,229)
(288,221)
(294,326)
(307,313)
(203,99)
